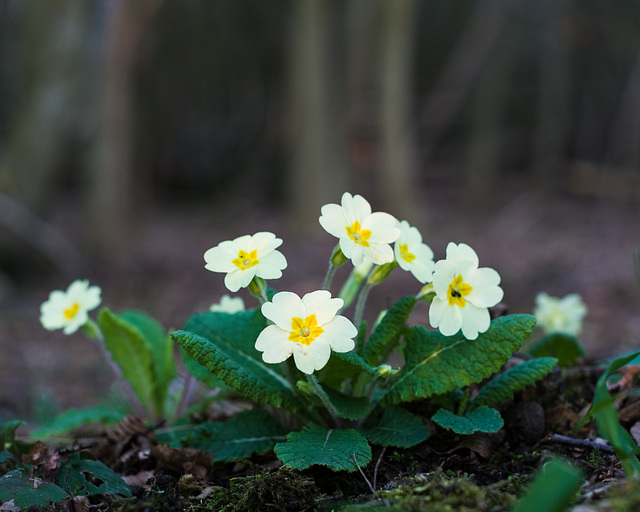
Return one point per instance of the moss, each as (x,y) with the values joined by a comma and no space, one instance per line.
(437,492)
(283,490)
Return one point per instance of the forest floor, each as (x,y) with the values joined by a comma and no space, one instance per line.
(566,245)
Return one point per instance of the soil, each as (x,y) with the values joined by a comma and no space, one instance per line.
(565,245)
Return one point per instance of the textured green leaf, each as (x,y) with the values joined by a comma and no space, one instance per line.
(349,407)
(437,364)
(553,489)
(224,344)
(344,365)
(482,419)
(164,364)
(566,348)
(72,419)
(502,387)
(254,431)
(17,486)
(396,427)
(90,477)
(315,445)
(384,337)
(200,372)
(133,354)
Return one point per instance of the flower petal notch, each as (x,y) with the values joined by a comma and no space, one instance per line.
(307,328)
(464,293)
(247,257)
(412,254)
(69,310)
(362,235)
(563,315)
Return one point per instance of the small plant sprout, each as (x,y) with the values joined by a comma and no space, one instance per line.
(307,328)
(245,258)
(69,310)
(228,304)
(464,293)
(563,315)
(362,235)
(412,255)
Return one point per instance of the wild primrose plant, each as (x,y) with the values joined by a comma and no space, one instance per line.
(560,320)
(328,385)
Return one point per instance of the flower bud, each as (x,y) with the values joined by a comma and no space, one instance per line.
(381,272)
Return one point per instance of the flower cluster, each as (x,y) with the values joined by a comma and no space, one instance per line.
(309,327)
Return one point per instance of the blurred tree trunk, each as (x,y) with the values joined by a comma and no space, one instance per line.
(111,194)
(317,173)
(49,75)
(396,174)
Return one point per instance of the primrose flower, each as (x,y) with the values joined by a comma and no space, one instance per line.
(560,315)
(246,257)
(306,327)
(464,293)
(363,235)
(69,310)
(412,255)
(228,304)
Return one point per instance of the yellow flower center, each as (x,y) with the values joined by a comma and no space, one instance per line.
(457,292)
(69,313)
(246,260)
(305,331)
(405,254)
(358,235)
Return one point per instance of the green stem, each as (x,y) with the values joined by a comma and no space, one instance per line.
(362,299)
(329,277)
(317,388)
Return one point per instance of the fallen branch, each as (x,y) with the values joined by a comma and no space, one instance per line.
(580,443)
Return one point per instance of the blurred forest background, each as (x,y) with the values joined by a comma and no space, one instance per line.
(136,134)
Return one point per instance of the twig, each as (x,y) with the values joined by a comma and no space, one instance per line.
(353,456)
(580,443)
(375,471)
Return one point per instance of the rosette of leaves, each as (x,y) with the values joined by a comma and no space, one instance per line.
(364,392)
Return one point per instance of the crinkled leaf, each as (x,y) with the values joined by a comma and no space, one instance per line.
(17,486)
(502,387)
(437,364)
(315,445)
(254,431)
(564,347)
(482,419)
(133,354)
(200,372)
(553,489)
(349,407)
(90,477)
(345,365)
(384,337)
(72,419)
(164,365)
(606,416)
(396,427)
(224,344)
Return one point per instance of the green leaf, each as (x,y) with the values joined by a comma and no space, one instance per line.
(437,364)
(315,445)
(254,431)
(344,365)
(72,419)
(90,477)
(606,416)
(384,337)
(566,348)
(133,354)
(164,364)
(553,489)
(396,427)
(17,486)
(224,344)
(349,407)
(502,387)
(482,419)
(200,372)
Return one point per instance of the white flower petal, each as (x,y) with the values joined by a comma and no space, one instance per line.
(239,279)
(333,220)
(265,243)
(485,291)
(220,258)
(339,334)
(474,321)
(274,344)
(309,358)
(448,319)
(321,304)
(356,208)
(384,228)
(464,257)
(444,272)
(283,307)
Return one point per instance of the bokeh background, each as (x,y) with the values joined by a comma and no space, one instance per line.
(134,135)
